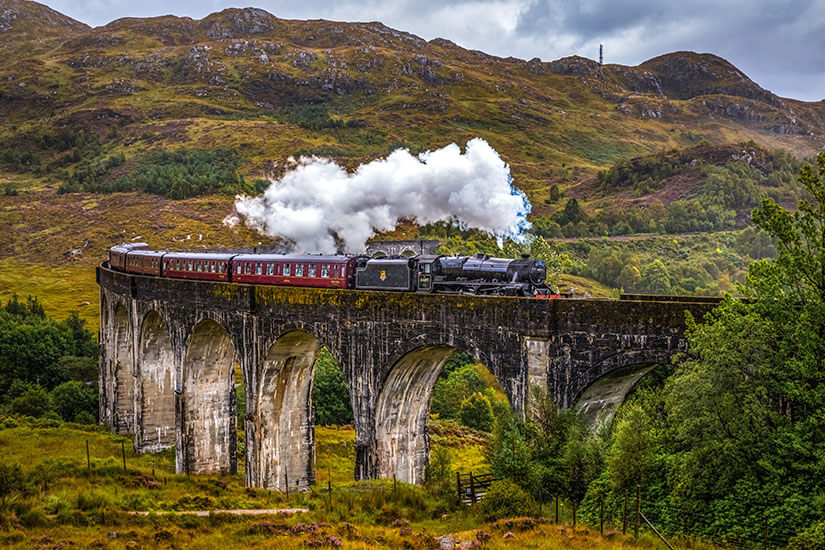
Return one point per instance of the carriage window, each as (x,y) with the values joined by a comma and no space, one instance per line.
(200,266)
(286,270)
(246,268)
(299,270)
(325,270)
(239,269)
(220,267)
(426,268)
(311,270)
(270,269)
(212,266)
(258,268)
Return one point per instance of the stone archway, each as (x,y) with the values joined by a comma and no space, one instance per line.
(401,413)
(209,441)
(156,376)
(123,419)
(599,402)
(284,443)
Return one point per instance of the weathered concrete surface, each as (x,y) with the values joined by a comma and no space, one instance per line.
(390,346)
(599,402)
(155,401)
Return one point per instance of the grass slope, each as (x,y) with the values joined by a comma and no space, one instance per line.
(65,504)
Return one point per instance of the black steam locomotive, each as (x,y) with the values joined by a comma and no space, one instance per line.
(479,274)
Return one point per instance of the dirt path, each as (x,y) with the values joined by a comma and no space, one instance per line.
(271,511)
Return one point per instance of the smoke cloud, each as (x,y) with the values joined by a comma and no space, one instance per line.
(318,200)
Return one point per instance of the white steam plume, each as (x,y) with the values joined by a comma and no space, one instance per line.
(318,198)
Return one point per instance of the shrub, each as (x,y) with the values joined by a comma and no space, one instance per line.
(72,398)
(476,412)
(34,518)
(34,401)
(92,500)
(812,538)
(85,417)
(505,499)
(11,482)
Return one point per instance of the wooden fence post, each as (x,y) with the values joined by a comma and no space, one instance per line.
(472,489)
(638,509)
(557,509)
(286,482)
(624,512)
(88,458)
(574,514)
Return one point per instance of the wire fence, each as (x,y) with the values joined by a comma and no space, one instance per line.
(630,513)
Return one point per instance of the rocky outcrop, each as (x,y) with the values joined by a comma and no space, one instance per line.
(575,65)
(238,23)
(684,75)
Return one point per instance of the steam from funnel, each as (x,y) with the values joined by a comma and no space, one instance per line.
(318,200)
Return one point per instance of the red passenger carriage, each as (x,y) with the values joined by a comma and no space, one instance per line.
(197,265)
(144,261)
(117,254)
(314,271)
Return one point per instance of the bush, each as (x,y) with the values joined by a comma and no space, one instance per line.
(812,538)
(34,518)
(35,401)
(505,499)
(92,501)
(477,413)
(85,417)
(72,398)
(11,482)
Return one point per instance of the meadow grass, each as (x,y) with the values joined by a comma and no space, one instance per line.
(66,503)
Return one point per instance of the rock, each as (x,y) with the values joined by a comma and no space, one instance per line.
(7,17)
(446,542)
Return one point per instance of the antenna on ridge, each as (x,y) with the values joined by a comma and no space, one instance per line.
(601,54)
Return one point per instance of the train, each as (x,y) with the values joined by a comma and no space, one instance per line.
(479,274)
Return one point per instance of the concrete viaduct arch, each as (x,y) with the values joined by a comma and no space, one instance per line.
(179,342)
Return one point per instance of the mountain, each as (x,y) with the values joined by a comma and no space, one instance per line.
(28,28)
(240,77)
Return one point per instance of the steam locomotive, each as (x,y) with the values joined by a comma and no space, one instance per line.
(479,274)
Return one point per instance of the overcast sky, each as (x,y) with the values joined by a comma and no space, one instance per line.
(780,44)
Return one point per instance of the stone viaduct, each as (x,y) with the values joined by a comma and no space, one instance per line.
(169,350)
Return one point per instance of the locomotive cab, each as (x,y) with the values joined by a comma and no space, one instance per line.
(428,268)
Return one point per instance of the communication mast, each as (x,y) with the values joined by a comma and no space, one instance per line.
(601,54)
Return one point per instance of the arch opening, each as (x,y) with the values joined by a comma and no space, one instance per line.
(600,401)
(378,255)
(285,436)
(124,398)
(156,370)
(402,412)
(209,440)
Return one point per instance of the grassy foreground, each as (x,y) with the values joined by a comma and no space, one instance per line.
(67,504)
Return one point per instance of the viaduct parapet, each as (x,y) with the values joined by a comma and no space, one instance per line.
(169,350)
